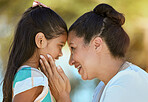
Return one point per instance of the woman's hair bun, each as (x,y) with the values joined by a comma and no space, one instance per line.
(106,10)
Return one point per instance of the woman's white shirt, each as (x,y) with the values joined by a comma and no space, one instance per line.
(128,85)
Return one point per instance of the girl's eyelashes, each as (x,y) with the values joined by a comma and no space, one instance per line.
(61,45)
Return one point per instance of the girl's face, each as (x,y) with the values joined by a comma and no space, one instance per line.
(54,46)
(83,56)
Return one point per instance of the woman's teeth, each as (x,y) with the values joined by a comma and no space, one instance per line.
(79,66)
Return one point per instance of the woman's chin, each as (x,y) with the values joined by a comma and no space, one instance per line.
(84,77)
(87,78)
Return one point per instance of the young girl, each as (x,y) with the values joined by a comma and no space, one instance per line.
(39,32)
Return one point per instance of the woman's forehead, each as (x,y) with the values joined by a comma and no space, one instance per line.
(73,39)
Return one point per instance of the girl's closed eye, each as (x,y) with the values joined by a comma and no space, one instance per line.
(61,45)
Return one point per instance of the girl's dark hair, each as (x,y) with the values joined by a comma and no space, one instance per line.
(34,20)
(106,22)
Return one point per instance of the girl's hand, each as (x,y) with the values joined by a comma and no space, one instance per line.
(58,82)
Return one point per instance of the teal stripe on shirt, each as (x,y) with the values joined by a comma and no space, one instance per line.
(47,98)
(22,74)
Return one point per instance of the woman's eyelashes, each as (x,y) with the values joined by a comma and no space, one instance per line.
(72,48)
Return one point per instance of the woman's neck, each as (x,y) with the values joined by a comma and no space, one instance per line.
(110,68)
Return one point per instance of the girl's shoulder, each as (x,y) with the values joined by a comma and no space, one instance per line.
(25,72)
(30,70)
(27,78)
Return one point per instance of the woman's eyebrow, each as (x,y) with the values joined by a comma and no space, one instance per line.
(71,43)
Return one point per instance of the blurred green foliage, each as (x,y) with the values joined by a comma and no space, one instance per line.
(70,10)
(136,24)
(135,12)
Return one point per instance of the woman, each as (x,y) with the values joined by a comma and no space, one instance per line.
(39,32)
(98,45)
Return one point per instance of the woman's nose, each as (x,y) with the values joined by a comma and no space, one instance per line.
(71,60)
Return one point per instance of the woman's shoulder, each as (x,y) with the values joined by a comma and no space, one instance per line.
(130,82)
(130,76)
(132,72)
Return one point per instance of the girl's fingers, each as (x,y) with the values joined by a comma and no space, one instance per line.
(65,78)
(43,69)
(46,65)
(52,64)
(62,74)
(57,80)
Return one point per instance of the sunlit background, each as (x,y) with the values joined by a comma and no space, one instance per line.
(136,25)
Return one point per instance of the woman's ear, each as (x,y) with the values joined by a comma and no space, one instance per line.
(97,44)
(40,40)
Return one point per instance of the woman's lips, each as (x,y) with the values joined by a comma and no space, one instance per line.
(78,67)
(79,70)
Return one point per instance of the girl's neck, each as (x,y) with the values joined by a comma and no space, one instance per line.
(32,64)
(33,61)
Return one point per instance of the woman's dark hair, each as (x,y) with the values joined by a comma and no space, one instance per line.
(34,20)
(106,22)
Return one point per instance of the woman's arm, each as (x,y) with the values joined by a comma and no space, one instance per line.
(29,95)
(58,82)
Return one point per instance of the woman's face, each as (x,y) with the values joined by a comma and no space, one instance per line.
(82,56)
(54,46)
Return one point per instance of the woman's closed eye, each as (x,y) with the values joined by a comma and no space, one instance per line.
(72,48)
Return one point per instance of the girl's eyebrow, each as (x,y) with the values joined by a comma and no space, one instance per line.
(62,42)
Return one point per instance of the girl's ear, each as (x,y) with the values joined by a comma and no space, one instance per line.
(97,44)
(40,40)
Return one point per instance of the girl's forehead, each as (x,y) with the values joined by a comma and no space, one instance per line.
(62,37)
